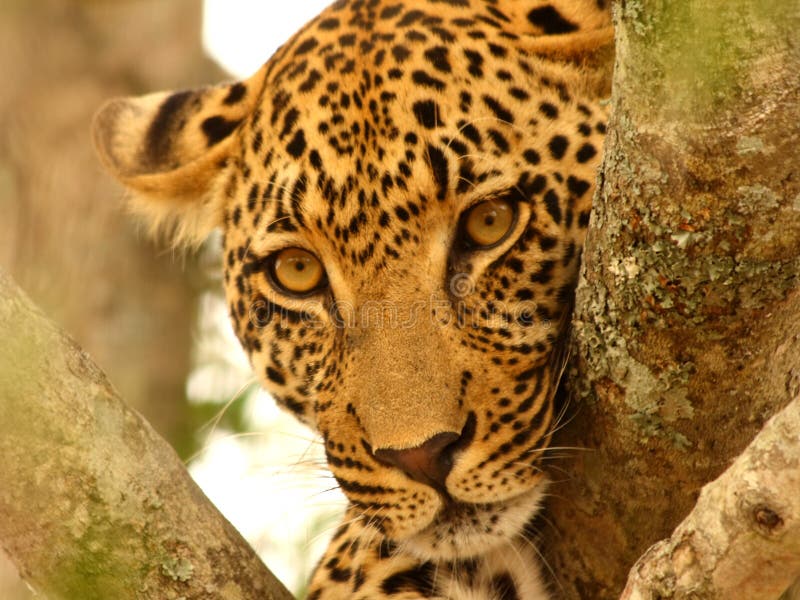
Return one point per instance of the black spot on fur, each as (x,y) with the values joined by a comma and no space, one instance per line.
(504,587)
(577,187)
(498,51)
(306,46)
(551,21)
(276,376)
(258,139)
(359,579)
(500,111)
(558,146)
(515,265)
(391,11)
(217,128)
(289,121)
(422,78)
(157,140)
(553,205)
(585,153)
(418,579)
(311,81)
(499,140)
(298,144)
(400,53)
(410,18)
(549,110)
(532,157)
(329,24)
(339,574)
(427,113)
(293,405)
(519,93)
(437,56)
(545,272)
(236,93)
(439,167)
(471,133)
(316,159)
(535,186)
(475,63)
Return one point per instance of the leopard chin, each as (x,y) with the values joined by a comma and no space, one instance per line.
(462,531)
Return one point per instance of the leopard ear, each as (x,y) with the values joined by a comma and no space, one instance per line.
(170,148)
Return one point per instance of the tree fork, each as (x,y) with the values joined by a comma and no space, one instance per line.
(93,503)
(687,320)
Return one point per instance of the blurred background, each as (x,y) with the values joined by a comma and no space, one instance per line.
(154,320)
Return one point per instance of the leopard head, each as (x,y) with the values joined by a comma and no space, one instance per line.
(403,197)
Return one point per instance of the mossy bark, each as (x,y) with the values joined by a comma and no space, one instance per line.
(687,321)
(93,503)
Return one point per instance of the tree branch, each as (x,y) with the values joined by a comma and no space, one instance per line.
(742,539)
(93,503)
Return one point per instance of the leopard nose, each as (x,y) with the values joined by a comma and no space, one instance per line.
(428,463)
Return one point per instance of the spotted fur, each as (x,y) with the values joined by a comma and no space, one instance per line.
(364,140)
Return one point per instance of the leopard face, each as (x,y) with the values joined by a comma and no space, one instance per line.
(403,191)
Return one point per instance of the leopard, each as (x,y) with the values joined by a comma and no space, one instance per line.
(402,192)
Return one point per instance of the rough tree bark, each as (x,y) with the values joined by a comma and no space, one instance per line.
(742,539)
(94,505)
(687,322)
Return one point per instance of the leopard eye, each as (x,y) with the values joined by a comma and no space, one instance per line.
(487,223)
(297,271)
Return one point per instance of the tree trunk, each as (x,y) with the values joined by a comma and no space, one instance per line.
(687,321)
(94,504)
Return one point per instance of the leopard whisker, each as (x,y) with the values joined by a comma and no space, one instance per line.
(326,531)
(533,546)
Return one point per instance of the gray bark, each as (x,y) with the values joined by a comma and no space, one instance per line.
(93,503)
(687,321)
